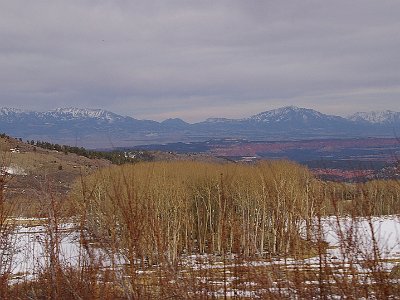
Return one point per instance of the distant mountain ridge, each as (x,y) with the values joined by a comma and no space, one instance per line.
(376,117)
(61,113)
(289,113)
(101,128)
(76,113)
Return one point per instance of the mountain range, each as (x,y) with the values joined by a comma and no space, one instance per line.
(96,128)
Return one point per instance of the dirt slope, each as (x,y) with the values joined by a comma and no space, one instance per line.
(30,171)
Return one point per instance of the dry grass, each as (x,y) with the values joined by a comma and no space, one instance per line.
(40,170)
(185,207)
(190,230)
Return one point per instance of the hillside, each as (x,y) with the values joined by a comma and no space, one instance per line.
(32,172)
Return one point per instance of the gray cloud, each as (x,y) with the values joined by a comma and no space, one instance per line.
(197,59)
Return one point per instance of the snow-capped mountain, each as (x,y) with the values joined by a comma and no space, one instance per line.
(292,114)
(78,113)
(5,111)
(11,114)
(376,117)
(100,128)
(60,114)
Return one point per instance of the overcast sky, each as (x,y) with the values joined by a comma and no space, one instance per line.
(199,59)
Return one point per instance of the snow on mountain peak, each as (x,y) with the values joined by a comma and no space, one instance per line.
(376,117)
(287,113)
(63,113)
(10,111)
(79,113)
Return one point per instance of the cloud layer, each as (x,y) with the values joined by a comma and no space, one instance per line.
(197,59)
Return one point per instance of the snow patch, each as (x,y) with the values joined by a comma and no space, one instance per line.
(376,117)
(14,170)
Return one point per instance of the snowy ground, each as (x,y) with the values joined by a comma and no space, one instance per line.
(28,249)
(352,241)
(13,170)
(363,236)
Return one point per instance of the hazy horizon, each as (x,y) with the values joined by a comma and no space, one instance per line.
(211,117)
(195,60)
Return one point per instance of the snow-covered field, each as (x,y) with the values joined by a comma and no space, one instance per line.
(28,249)
(352,242)
(363,235)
